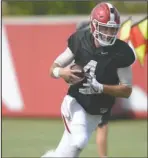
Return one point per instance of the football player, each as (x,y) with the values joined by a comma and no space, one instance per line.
(102,129)
(107,62)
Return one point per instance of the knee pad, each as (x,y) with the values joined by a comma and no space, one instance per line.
(79,141)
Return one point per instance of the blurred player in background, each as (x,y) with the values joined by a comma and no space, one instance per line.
(106,62)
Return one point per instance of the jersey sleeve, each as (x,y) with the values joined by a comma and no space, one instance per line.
(125,56)
(125,75)
(73,43)
(65,58)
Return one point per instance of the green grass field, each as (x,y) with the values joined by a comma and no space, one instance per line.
(32,137)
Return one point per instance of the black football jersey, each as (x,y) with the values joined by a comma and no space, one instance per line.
(107,60)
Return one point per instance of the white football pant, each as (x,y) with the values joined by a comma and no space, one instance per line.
(79,126)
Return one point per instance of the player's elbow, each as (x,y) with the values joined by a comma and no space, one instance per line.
(127,91)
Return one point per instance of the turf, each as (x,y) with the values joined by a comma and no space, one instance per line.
(32,137)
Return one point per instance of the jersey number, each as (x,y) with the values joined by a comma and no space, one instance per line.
(90,68)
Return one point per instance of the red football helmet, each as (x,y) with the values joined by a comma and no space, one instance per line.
(105,23)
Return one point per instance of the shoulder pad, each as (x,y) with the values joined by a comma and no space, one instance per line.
(74,40)
(124,54)
(83,25)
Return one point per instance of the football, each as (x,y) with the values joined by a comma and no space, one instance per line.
(78,67)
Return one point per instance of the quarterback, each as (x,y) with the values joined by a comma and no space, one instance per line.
(106,62)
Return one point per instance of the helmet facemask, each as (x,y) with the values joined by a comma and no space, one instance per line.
(105,34)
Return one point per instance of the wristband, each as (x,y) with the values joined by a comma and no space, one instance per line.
(56,72)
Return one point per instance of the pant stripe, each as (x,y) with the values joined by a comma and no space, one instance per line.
(66,125)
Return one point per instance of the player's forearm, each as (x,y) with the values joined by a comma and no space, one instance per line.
(60,62)
(122,91)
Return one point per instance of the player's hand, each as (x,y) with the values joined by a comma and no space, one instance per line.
(68,75)
(92,86)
